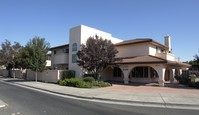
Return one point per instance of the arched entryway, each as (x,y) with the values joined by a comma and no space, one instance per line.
(167,74)
(112,74)
(143,74)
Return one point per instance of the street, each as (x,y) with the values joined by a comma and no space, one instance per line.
(22,101)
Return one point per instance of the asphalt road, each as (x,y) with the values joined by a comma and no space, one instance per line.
(22,101)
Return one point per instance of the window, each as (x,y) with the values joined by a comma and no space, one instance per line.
(154,74)
(117,72)
(140,72)
(74,47)
(159,50)
(55,52)
(65,50)
(74,58)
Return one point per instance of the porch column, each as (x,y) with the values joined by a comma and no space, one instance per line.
(161,73)
(126,77)
(180,71)
(149,72)
(125,70)
(172,75)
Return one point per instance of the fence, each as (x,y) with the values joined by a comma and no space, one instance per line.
(46,76)
(4,73)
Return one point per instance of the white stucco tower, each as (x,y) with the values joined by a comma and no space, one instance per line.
(78,36)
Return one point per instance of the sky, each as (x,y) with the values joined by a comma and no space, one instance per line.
(22,20)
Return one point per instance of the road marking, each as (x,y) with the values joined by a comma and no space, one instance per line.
(5,104)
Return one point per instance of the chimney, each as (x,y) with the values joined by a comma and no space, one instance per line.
(167,40)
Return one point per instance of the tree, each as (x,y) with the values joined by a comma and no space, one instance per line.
(196,59)
(9,54)
(96,54)
(33,56)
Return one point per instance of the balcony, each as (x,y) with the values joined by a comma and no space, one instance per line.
(167,56)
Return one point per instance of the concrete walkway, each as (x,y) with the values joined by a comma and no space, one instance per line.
(161,99)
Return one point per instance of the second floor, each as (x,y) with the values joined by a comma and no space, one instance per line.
(60,54)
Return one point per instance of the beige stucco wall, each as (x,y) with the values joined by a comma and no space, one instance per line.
(167,56)
(18,73)
(107,74)
(46,76)
(4,73)
(133,50)
(152,49)
(59,58)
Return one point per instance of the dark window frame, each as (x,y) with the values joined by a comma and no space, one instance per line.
(74,47)
(117,72)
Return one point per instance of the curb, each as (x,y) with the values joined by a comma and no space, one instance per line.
(169,105)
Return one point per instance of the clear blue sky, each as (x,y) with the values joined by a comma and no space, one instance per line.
(21,20)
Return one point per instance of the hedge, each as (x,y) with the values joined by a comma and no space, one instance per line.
(89,79)
(87,82)
(68,74)
(75,82)
(190,81)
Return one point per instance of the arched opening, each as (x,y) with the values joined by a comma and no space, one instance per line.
(143,74)
(167,74)
(112,74)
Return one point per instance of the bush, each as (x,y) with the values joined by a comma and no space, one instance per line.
(101,84)
(89,75)
(75,82)
(89,79)
(82,84)
(68,74)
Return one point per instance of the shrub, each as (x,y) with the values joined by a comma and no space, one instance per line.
(101,84)
(75,82)
(82,84)
(68,74)
(89,79)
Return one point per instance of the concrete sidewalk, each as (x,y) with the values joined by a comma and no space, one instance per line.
(189,101)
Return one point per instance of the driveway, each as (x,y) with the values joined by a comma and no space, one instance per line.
(152,88)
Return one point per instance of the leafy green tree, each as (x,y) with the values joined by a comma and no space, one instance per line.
(34,55)
(96,54)
(9,54)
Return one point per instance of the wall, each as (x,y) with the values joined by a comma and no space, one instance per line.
(167,56)
(18,74)
(152,49)
(59,57)
(107,74)
(46,76)
(79,35)
(4,73)
(133,50)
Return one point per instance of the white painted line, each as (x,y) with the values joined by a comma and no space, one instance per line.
(1,106)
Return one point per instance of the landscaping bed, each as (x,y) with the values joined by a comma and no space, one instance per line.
(87,82)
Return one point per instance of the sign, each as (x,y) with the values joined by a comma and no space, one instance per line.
(125,68)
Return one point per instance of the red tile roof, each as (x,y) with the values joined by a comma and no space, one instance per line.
(147,60)
(140,59)
(59,46)
(136,41)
